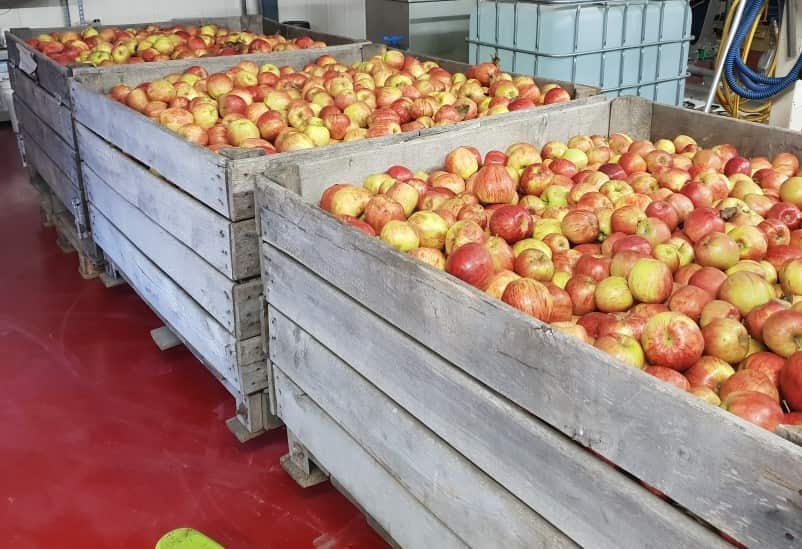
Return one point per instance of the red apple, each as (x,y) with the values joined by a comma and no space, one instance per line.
(749,380)
(498,283)
(690,301)
(755,408)
(709,279)
(563,308)
(670,376)
(702,222)
(757,317)
(471,263)
(766,363)
(529,296)
(512,223)
(709,372)
(672,340)
(582,290)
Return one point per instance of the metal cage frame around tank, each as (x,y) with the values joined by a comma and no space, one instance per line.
(604,50)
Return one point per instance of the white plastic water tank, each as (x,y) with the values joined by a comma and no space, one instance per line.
(633,47)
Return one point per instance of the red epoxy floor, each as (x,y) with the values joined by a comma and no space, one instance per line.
(105,441)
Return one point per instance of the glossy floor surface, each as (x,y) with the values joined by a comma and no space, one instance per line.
(107,442)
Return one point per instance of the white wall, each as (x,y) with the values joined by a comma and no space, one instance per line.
(343,17)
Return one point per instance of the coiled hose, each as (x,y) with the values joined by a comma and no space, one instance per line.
(735,106)
(750,84)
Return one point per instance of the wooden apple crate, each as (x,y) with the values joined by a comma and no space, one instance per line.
(43,101)
(189,215)
(479,421)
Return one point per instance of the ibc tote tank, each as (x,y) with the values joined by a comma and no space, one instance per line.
(635,47)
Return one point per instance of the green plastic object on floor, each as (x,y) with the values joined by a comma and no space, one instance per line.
(186,538)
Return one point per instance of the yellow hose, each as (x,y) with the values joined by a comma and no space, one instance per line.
(737,107)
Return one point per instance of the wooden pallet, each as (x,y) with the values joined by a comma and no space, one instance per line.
(422,370)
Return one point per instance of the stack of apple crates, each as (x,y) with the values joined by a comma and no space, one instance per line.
(71,166)
(456,421)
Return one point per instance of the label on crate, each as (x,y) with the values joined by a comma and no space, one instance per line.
(27,63)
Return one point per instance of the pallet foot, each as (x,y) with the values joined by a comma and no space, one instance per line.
(45,217)
(63,244)
(299,465)
(111,277)
(164,338)
(88,268)
(239,430)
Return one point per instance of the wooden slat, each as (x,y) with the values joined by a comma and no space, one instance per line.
(732,474)
(210,234)
(311,177)
(234,306)
(401,516)
(551,474)
(47,108)
(244,241)
(62,154)
(749,138)
(196,170)
(471,504)
(104,78)
(59,183)
(179,311)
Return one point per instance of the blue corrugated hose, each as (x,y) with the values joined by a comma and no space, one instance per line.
(748,83)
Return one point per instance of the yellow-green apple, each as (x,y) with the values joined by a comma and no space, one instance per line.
(400,235)
(622,347)
(726,339)
(650,281)
(746,290)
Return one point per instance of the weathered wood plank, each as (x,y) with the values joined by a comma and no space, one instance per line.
(47,108)
(554,476)
(732,474)
(404,519)
(62,154)
(244,240)
(179,311)
(470,503)
(225,246)
(188,166)
(59,183)
(104,78)
(234,306)
(749,138)
(311,177)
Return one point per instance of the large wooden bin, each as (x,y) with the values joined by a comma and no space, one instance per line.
(435,404)
(179,221)
(43,102)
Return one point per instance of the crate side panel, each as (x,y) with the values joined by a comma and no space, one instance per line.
(460,324)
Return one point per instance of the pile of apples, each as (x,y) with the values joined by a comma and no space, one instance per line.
(114,46)
(282,110)
(683,261)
